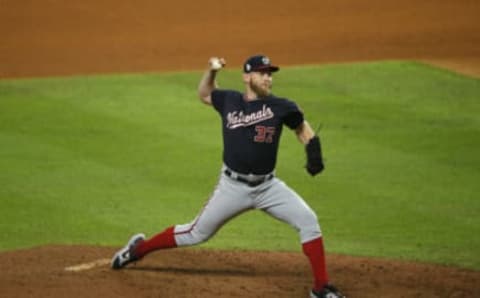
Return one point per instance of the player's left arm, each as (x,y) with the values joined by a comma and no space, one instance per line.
(307,136)
(304,132)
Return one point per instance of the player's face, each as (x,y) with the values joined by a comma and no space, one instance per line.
(261,82)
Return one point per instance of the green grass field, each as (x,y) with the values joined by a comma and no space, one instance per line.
(91,160)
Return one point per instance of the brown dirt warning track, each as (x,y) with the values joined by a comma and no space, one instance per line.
(56,38)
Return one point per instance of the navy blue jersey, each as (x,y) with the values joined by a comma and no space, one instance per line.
(252,129)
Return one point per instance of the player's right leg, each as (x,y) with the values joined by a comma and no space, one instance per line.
(228,200)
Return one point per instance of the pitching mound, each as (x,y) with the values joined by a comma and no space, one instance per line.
(79,271)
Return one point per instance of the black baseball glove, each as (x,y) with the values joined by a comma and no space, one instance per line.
(314,156)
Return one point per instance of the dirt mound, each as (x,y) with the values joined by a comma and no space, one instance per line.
(79,271)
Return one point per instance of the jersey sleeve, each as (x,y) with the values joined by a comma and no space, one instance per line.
(293,115)
(218,99)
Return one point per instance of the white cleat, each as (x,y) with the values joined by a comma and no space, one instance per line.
(328,291)
(126,255)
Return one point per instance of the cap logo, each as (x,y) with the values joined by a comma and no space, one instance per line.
(266,60)
(248,67)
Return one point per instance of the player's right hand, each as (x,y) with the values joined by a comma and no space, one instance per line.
(216,63)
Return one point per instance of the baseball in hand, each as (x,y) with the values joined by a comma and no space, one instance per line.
(216,64)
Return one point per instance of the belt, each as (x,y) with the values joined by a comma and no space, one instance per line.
(251,183)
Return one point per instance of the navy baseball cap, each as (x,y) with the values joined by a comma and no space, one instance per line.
(259,63)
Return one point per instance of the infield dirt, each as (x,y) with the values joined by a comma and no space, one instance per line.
(43,38)
(55,38)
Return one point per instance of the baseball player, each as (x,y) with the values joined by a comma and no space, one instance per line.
(252,124)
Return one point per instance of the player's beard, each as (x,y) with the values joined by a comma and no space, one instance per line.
(261,89)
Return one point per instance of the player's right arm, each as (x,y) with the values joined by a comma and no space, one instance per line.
(207,82)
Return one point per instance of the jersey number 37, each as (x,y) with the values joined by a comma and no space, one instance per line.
(264,134)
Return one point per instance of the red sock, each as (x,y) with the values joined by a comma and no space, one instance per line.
(163,240)
(316,255)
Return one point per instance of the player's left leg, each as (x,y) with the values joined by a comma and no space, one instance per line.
(281,202)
